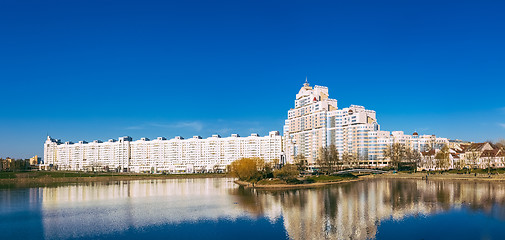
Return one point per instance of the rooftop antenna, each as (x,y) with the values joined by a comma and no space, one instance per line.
(306,84)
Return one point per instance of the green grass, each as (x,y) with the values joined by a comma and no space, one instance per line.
(331,178)
(7,175)
(472,171)
(271,182)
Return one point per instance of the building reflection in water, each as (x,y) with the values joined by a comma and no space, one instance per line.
(98,208)
(355,210)
(345,211)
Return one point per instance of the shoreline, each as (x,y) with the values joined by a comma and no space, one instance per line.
(408,176)
(29,179)
(292,186)
(444,176)
(24,179)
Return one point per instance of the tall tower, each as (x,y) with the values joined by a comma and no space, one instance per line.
(50,151)
(305,128)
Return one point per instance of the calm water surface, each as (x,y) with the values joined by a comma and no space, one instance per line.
(219,209)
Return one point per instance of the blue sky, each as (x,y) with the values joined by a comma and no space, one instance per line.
(85,70)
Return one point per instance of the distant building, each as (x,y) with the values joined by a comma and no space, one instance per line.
(6,164)
(466,155)
(34,161)
(177,155)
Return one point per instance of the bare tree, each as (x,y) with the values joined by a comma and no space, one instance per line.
(500,143)
(442,158)
(473,158)
(346,160)
(300,162)
(333,158)
(415,158)
(396,152)
(328,159)
(489,163)
(460,164)
(322,159)
(355,158)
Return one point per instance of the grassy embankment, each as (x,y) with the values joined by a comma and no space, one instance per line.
(492,171)
(469,175)
(300,182)
(46,178)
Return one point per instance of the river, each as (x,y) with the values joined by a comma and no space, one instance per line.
(216,208)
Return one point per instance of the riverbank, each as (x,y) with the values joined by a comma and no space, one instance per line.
(283,186)
(413,176)
(441,176)
(43,178)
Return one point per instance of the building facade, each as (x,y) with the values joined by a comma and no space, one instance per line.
(177,155)
(316,121)
(305,130)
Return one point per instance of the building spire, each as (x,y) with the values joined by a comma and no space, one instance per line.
(306,84)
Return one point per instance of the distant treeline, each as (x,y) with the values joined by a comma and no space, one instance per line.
(10,164)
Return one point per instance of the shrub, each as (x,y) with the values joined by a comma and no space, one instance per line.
(288,171)
(293,181)
(248,169)
(345,175)
(309,180)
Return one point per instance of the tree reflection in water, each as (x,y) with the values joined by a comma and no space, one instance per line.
(355,210)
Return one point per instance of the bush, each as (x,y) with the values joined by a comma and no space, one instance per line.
(344,175)
(293,181)
(387,168)
(286,172)
(269,175)
(309,180)
(247,169)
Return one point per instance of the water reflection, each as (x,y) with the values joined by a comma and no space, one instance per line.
(98,208)
(346,211)
(355,210)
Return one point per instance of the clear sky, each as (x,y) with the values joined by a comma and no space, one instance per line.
(86,70)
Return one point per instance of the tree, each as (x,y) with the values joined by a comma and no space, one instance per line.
(328,159)
(276,163)
(322,159)
(346,160)
(248,169)
(355,159)
(442,158)
(300,162)
(413,157)
(286,172)
(215,168)
(333,160)
(489,163)
(473,158)
(396,152)
(460,164)
(500,143)
(428,147)
(267,170)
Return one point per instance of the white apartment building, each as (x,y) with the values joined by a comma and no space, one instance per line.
(353,130)
(316,121)
(176,155)
(305,130)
